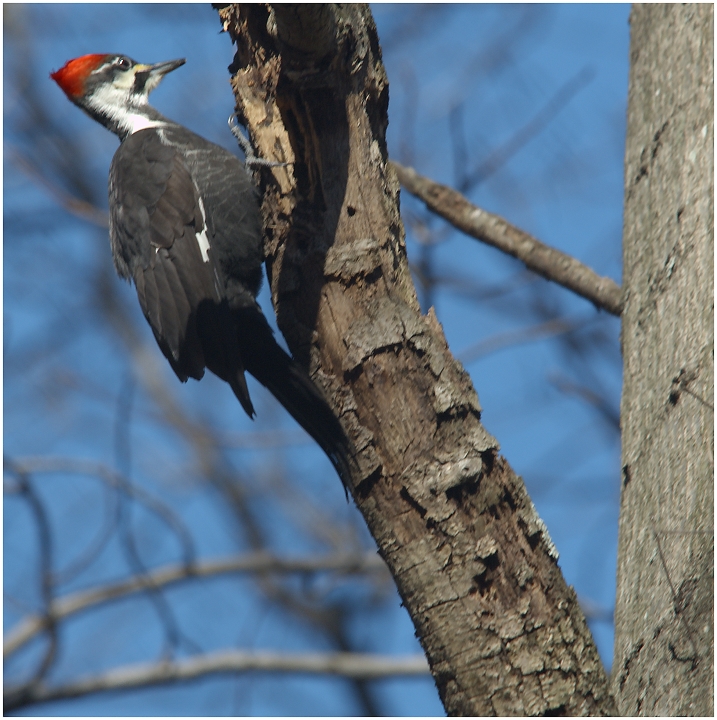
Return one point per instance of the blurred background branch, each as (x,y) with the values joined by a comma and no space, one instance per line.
(552,264)
(355,666)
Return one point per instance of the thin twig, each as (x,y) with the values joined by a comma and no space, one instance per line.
(27,491)
(500,156)
(76,206)
(78,466)
(123,459)
(261,562)
(214,464)
(549,328)
(493,230)
(349,665)
(97,545)
(598,401)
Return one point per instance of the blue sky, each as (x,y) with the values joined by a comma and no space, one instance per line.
(465,80)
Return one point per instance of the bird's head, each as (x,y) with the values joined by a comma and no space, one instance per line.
(113,89)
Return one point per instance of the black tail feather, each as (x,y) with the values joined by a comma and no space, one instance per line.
(264,358)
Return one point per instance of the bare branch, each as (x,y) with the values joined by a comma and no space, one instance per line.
(123,458)
(97,545)
(31,465)
(357,666)
(493,230)
(549,328)
(500,156)
(263,562)
(213,463)
(198,436)
(598,401)
(74,205)
(27,491)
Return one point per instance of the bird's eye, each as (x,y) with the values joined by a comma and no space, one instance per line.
(123,63)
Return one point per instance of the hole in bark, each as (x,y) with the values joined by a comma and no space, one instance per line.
(352,375)
(556,711)
(508,498)
(350,210)
(364,488)
(488,459)
(237,64)
(374,276)
(407,497)
(482,583)
(458,492)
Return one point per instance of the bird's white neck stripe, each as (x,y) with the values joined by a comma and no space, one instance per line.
(136,122)
(111,102)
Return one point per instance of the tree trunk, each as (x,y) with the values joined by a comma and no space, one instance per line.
(664,609)
(473,562)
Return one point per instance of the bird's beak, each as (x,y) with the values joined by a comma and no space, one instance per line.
(162,68)
(155,73)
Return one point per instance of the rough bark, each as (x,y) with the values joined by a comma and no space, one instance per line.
(473,562)
(664,609)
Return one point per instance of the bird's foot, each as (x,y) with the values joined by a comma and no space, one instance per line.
(250,158)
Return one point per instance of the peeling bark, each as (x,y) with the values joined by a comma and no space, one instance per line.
(472,560)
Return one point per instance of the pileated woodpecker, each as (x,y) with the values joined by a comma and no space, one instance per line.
(185,227)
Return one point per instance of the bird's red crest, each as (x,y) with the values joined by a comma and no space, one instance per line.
(71,78)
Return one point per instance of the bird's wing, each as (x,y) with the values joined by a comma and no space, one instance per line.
(160,239)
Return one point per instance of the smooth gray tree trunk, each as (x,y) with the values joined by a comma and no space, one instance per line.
(664,608)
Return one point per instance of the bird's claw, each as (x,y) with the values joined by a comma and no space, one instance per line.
(250,158)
